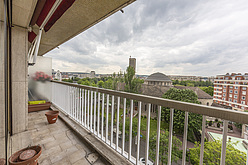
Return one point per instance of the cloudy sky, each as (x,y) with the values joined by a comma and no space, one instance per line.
(196,37)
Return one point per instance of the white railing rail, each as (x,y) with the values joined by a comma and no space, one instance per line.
(89,106)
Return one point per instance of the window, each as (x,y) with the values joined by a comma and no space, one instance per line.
(231,87)
(236,106)
(224,99)
(230,95)
(243,92)
(236,92)
(235,96)
(224,94)
(224,82)
(226,78)
(244,88)
(218,85)
(238,78)
(230,99)
(243,97)
(242,102)
(224,90)
(224,86)
(230,91)
(235,101)
(236,82)
(236,87)
(242,107)
(230,104)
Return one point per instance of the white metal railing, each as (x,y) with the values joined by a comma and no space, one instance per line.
(91,107)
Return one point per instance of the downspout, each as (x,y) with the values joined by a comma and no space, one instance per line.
(10,68)
(6,78)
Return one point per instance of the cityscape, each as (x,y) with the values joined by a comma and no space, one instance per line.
(210,91)
(123,82)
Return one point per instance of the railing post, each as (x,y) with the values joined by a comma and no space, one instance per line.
(147,133)
(82,108)
(138,133)
(223,148)
(107,114)
(185,138)
(123,127)
(98,114)
(130,131)
(112,120)
(94,130)
(202,139)
(88,111)
(91,110)
(170,135)
(102,115)
(158,136)
(117,124)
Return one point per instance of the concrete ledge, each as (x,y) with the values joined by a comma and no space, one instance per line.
(103,149)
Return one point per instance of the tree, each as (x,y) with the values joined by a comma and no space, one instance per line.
(195,120)
(209,90)
(76,79)
(100,84)
(108,84)
(212,154)
(163,147)
(133,85)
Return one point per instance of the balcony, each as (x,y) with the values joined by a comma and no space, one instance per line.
(101,112)
(60,144)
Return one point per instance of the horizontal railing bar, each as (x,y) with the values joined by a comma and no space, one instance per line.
(226,114)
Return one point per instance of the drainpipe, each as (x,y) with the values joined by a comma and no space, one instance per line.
(6,78)
(10,67)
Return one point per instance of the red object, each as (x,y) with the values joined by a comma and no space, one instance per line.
(64,5)
(15,158)
(52,116)
(31,36)
(39,107)
(2,161)
(47,7)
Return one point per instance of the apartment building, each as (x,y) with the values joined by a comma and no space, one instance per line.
(231,90)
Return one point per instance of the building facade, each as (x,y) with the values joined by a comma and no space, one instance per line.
(231,90)
(132,63)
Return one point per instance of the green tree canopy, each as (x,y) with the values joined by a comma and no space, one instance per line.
(100,84)
(195,120)
(212,154)
(133,85)
(209,90)
(163,147)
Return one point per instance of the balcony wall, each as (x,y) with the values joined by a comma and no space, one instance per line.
(19,92)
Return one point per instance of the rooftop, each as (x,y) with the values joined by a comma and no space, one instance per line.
(200,93)
(157,77)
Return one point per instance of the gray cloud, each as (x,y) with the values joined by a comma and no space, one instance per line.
(175,37)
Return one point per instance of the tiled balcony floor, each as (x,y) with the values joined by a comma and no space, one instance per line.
(59,143)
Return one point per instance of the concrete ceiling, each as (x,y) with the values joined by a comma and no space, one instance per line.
(22,11)
(79,17)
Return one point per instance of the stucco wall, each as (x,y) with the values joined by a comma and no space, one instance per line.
(205,101)
(19,79)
